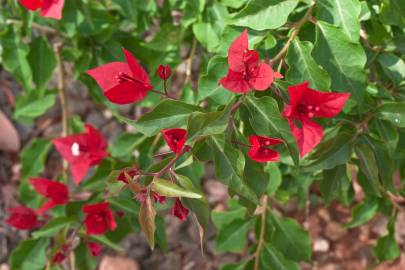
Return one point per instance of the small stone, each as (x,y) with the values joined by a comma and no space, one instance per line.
(321,244)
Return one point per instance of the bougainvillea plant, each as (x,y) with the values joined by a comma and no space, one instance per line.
(286,101)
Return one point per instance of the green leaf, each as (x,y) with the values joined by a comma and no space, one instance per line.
(232,238)
(233,3)
(264,14)
(129,8)
(170,189)
(393,112)
(275,177)
(29,108)
(14,57)
(223,218)
(167,114)
(106,241)
(331,152)
(272,259)
(208,83)
(207,124)
(290,239)
(30,254)
(363,212)
(392,12)
(302,67)
(335,183)
(266,120)
(343,13)
(342,59)
(229,165)
(393,67)
(53,226)
(160,234)
(42,61)
(206,35)
(387,248)
(125,144)
(368,165)
(33,158)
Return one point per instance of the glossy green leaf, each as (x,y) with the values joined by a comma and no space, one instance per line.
(393,112)
(42,61)
(232,238)
(206,35)
(272,259)
(393,66)
(52,227)
(363,212)
(302,67)
(290,239)
(256,12)
(170,189)
(30,254)
(335,183)
(29,108)
(343,13)
(343,59)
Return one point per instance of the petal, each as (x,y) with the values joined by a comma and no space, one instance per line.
(46,206)
(263,77)
(127,92)
(31,4)
(235,82)
(54,190)
(138,72)
(52,9)
(263,140)
(64,145)
(95,248)
(262,154)
(164,72)
(175,138)
(79,169)
(105,75)
(95,207)
(296,92)
(179,211)
(329,103)
(95,139)
(307,137)
(22,218)
(236,52)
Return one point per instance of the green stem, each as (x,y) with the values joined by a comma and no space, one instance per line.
(262,232)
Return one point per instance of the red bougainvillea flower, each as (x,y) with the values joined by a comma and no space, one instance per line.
(59,257)
(22,218)
(179,211)
(131,172)
(49,8)
(164,72)
(94,248)
(258,148)
(158,198)
(175,138)
(305,104)
(56,192)
(82,151)
(122,82)
(245,70)
(99,218)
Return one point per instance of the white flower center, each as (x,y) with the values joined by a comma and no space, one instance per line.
(75,149)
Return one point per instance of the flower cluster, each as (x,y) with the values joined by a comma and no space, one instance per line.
(48,8)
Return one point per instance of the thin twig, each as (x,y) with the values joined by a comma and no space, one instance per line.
(41,28)
(295,32)
(262,232)
(190,61)
(57,47)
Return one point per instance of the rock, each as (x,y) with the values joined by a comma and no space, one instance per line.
(9,138)
(216,191)
(334,231)
(321,245)
(118,263)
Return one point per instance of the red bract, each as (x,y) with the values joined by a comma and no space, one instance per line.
(99,218)
(158,198)
(164,72)
(59,257)
(132,171)
(175,138)
(55,191)
(82,151)
(258,150)
(179,211)
(245,71)
(22,218)
(122,82)
(49,8)
(95,248)
(305,104)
